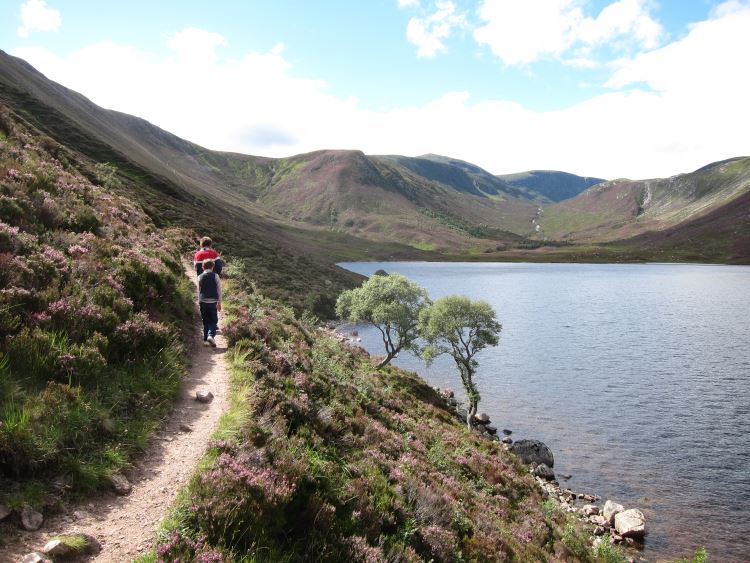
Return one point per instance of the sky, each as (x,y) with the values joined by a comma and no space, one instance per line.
(605,88)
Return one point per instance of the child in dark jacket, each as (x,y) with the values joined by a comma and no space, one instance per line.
(209,300)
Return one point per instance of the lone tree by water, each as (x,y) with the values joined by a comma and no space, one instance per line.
(392,304)
(461,328)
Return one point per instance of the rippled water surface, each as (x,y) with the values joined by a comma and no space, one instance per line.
(637,377)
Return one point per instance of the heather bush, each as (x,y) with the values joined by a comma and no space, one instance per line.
(92,304)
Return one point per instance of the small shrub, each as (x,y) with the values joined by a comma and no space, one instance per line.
(139,337)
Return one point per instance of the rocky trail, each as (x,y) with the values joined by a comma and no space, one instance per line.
(124,525)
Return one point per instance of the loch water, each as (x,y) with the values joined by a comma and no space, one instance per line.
(637,376)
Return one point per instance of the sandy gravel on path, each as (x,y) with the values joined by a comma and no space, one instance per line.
(125,526)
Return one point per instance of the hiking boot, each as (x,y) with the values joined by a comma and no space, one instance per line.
(211,341)
(205,343)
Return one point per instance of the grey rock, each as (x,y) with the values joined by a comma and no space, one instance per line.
(462,414)
(507,440)
(507,432)
(449,393)
(565,476)
(533,452)
(204,396)
(35,557)
(544,471)
(186,427)
(120,484)
(599,531)
(452,402)
(589,498)
(4,512)
(483,418)
(590,509)
(491,430)
(31,520)
(599,520)
(630,523)
(611,508)
(58,548)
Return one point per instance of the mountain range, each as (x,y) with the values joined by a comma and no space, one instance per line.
(294,217)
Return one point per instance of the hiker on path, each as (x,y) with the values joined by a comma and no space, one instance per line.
(209,300)
(206,252)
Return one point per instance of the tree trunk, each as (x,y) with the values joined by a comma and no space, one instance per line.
(472,412)
(387,359)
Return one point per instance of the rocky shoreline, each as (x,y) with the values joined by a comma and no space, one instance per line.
(625,527)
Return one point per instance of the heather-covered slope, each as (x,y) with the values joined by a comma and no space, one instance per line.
(174,181)
(93,302)
(324,458)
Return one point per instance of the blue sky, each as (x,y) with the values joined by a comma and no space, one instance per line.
(612,88)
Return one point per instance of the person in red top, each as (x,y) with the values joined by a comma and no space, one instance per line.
(206,253)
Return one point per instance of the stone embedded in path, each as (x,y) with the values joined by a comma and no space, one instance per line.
(4,512)
(120,484)
(533,452)
(31,520)
(630,523)
(204,396)
(186,427)
(611,508)
(35,558)
(60,547)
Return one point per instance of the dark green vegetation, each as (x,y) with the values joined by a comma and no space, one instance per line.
(324,458)
(292,218)
(93,301)
(551,184)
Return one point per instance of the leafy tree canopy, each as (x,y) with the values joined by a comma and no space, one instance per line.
(457,326)
(392,304)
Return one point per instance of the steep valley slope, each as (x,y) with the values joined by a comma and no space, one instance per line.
(294,217)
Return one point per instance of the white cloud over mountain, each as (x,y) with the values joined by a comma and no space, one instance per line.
(522,32)
(37,16)
(670,110)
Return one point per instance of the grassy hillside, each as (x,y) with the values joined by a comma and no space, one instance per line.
(649,210)
(324,458)
(550,184)
(93,301)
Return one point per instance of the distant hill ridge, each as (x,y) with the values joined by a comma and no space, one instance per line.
(554,185)
(314,208)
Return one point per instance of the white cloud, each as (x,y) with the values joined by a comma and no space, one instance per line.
(36,16)
(428,33)
(196,45)
(521,32)
(407,3)
(693,111)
